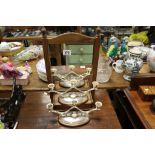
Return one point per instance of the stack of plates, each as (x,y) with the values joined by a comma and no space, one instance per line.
(41,70)
(10,48)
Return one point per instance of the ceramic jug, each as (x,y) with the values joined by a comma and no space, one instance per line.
(132,63)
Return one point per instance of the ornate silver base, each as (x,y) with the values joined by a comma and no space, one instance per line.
(67,84)
(127,77)
(74,118)
(73,98)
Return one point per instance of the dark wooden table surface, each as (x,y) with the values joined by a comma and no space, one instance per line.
(36,84)
(34,115)
(142,109)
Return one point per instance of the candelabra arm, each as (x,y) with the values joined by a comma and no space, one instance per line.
(50,109)
(67,91)
(98,106)
(84,75)
(57,112)
(94,109)
(54,91)
(91,89)
(59,76)
(71,72)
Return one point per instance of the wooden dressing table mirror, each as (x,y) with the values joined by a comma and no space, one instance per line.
(36,85)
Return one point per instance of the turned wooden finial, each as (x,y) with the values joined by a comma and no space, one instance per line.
(44,32)
(98,30)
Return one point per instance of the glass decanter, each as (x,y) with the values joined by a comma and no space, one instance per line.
(104,70)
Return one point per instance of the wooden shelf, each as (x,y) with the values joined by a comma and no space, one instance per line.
(142,108)
(32,38)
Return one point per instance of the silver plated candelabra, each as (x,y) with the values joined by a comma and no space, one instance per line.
(73,96)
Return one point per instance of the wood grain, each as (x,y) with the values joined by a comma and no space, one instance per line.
(147,92)
(142,108)
(71,38)
(34,115)
(46,56)
(35,84)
